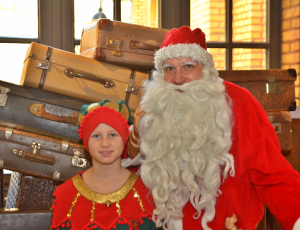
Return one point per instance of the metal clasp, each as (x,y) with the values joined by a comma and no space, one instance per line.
(277,127)
(35,147)
(8,132)
(64,145)
(18,152)
(273,86)
(131,87)
(76,161)
(42,65)
(56,176)
(3,96)
(115,43)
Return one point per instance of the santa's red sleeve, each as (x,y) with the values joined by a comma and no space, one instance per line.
(258,154)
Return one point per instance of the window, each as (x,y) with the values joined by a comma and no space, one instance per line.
(236,32)
(52,23)
(19,26)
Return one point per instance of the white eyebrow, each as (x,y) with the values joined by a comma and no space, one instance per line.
(166,65)
(189,63)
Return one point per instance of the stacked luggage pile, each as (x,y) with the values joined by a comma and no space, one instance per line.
(38,118)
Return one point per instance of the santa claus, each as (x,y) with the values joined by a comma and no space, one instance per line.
(211,156)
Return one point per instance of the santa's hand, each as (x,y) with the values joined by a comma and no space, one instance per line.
(133,144)
(138,114)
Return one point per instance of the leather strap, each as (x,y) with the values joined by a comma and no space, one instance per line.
(128,93)
(44,72)
(1,189)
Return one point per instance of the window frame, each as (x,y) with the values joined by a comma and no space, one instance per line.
(273,40)
(56,27)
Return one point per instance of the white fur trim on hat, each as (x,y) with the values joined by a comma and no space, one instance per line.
(193,51)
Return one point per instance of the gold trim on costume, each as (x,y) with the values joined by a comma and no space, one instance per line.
(93,212)
(73,204)
(119,208)
(139,198)
(104,198)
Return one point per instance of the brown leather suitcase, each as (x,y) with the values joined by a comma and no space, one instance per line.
(122,44)
(294,157)
(1,189)
(281,122)
(274,88)
(41,156)
(80,77)
(36,193)
(18,219)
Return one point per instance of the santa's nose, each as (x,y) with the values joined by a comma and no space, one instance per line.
(179,78)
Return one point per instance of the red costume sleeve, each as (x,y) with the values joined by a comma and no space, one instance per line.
(257,155)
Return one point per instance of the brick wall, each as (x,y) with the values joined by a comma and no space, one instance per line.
(290,57)
(209,15)
(145,12)
(248,26)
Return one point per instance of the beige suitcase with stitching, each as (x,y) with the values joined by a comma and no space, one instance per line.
(80,77)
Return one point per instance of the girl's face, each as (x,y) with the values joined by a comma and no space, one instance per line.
(105,145)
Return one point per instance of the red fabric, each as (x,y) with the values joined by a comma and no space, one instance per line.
(262,173)
(184,35)
(103,115)
(105,217)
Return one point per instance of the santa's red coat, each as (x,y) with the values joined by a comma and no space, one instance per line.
(262,174)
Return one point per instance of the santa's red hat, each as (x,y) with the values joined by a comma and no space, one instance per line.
(183,42)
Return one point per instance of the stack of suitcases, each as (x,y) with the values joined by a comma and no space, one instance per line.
(38,118)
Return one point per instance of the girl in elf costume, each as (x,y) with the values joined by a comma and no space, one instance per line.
(107,195)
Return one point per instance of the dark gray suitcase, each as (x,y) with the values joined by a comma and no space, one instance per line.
(41,156)
(18,219)
(36,193)
(38,111)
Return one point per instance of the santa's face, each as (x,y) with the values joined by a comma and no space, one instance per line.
(179,71)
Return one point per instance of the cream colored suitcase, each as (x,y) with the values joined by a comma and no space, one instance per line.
(80,77)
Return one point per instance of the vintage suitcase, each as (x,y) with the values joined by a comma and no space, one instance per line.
(18,219)
(281,122)
(38,111)
(274,88)
(1,189)
(294,157)
(41,156)
(36,193)
(79,77)
(120,43)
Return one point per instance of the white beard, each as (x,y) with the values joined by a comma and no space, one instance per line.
(185,139)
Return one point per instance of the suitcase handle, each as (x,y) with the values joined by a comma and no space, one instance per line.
(39,110)
(107,83)
(138,45)
(34,157)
